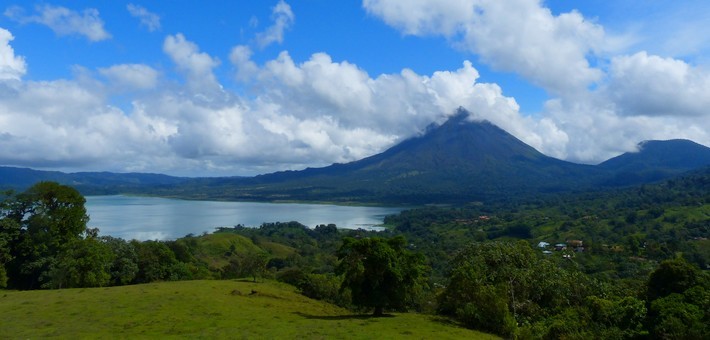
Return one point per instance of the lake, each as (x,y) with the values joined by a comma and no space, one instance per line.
(154,218)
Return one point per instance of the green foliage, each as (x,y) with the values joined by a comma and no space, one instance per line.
(487,310)
(124,267)
(618,318)
(37,227)
(157,262)
(9,231)
(52,214)
(495,286)
(673,317)
(484,278)
(570,323)
(324,287)
(253,264)
(614,288)
(83,263)
(679,298)
(380,273)
(672,276)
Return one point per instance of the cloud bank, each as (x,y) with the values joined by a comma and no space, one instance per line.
(282,113)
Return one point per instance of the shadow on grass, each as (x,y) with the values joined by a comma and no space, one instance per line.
(343,317)
(445,321)
(246,280)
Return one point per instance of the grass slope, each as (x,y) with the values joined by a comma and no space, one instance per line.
(202,309)
(211,248)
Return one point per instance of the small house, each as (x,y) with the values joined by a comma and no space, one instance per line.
(543,244)
(575,243)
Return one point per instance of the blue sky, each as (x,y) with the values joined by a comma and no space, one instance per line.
(245,87)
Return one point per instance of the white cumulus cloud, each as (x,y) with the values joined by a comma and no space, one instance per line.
(63,21)
(11,66)
(147,18)
(519,35)
(643,84)
(291,114)
(283,18)
(196,66)
(602,104)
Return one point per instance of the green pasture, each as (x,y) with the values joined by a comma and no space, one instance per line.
(204,309)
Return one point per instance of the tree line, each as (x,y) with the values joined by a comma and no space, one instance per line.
(478,265)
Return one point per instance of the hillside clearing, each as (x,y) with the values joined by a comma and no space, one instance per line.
(207,309)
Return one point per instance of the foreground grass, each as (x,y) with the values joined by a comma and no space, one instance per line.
(208,309)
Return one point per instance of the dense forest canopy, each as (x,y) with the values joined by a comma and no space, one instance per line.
(620,263)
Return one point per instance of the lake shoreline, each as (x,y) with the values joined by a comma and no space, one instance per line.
(152,217)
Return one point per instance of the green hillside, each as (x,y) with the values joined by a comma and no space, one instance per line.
(203,309)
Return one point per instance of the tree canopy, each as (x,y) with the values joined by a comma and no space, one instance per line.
(38,225)
(45,243)
(380,273)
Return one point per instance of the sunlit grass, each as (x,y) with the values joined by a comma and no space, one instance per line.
(203,309)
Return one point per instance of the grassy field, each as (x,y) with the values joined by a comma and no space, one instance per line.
(203,309)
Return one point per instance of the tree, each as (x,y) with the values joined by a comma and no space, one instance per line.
(124,267)
(253,263)
(489,283)
(50,216)
(380,273)
(673,317)
(672,276)
(156,262)
(83,263)
(679,301)
(9,231)
(495,286)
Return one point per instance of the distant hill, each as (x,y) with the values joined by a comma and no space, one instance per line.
(87,182)
(656,160)
(458,161)
(21,178)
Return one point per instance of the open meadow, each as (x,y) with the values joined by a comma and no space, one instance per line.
(204,309)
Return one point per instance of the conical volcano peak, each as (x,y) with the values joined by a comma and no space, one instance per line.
(462,134)
(463,116)
(461,119)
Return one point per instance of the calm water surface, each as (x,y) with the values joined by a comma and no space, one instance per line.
(151,218)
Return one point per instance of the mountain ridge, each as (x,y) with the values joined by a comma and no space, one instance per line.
(656,160)
(458,160)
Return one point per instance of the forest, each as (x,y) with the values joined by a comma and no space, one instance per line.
(617,263)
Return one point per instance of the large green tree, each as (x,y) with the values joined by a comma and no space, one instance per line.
(672,276)
(40,223)
(679,301)
(82,263)
(380,273)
